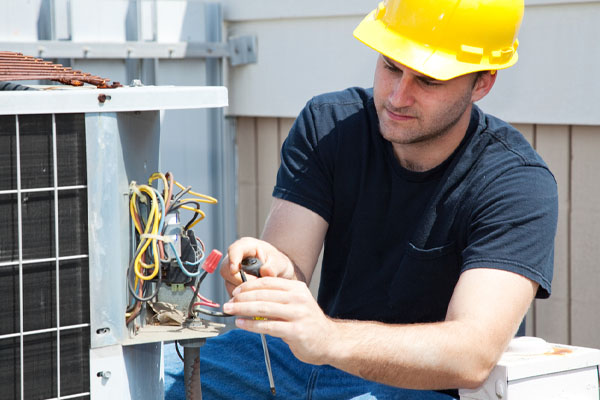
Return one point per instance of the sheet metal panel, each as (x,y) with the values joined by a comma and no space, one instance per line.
(121,99)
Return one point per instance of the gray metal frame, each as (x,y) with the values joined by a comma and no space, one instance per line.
(121,147)
(242,50)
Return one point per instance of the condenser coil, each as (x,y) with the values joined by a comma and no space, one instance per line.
(67,157)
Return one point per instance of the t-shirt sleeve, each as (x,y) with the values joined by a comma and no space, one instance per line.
(514,224)
(306,172)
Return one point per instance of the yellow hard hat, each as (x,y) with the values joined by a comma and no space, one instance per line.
(445,38)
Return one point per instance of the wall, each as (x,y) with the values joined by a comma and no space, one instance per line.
(305,48)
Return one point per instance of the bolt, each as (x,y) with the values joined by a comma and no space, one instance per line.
(500,389)
(104,374)
(103,97)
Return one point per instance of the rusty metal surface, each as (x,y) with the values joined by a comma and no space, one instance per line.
(18,67)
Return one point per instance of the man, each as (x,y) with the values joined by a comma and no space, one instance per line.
(438,222)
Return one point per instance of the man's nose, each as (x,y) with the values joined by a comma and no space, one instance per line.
(402,94)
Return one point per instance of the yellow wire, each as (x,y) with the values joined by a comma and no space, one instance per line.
(203,198)
(133,211)
(196,210)
(153,221)
(161,176)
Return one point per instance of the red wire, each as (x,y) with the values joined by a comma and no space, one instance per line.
(202,303)
(205,301)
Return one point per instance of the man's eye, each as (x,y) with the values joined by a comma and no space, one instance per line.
(428,82)
(390,67)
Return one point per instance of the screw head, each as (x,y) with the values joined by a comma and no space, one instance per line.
(104,374)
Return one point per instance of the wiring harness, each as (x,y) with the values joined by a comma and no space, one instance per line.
(165,251)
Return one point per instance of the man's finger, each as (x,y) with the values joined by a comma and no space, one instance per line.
(262,309)
(268,327)
(273,283)
(274,296)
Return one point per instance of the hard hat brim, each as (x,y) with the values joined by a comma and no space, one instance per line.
(426,59)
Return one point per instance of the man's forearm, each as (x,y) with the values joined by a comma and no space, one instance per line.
(421,356)
(483,315)
(298,274)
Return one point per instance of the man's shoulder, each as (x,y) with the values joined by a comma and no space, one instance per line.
(512,140)
(354,96)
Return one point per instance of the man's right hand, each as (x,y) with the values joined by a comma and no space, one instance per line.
(275,263)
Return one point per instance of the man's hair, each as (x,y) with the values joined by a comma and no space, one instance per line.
(478,75)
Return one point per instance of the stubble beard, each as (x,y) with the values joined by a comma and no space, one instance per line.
(427,130)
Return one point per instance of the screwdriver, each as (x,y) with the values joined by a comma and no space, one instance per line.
(252,266)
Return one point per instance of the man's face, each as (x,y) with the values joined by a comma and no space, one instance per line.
(414,108)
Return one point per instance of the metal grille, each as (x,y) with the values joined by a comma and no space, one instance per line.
(44,284)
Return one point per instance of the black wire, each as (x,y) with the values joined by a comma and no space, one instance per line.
(197,283)
(194,217)
(213,313)
(177,350)
(178,205)
(182,193)
(191,313)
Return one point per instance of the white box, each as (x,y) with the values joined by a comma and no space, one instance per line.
(532,369)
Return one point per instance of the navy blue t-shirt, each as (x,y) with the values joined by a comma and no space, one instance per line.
(398,240)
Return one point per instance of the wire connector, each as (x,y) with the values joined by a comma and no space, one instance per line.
(212,261)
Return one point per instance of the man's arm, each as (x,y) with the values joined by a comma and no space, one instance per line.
(484,314)
(485,311)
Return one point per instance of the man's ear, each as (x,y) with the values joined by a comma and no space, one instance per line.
(483,85)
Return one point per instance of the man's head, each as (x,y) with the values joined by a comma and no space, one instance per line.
(444,39)
(414,108)
(437,58)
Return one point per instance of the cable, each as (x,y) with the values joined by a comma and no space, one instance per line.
(183,269)
(196,290)
(132,290)
(153,226)
(197,211)
(201,310)
(212,313)
(177,350)
(149,209)
(201,197)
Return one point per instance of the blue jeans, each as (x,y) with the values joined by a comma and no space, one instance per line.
(232,367)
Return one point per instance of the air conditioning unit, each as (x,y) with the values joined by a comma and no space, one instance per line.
(532,369)
(67,157)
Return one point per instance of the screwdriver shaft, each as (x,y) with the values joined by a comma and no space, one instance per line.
(265,351)
(268,362)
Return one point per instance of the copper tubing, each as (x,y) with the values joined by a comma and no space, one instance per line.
(17,67)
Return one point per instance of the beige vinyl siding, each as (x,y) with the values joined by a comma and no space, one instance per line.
(572,314)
